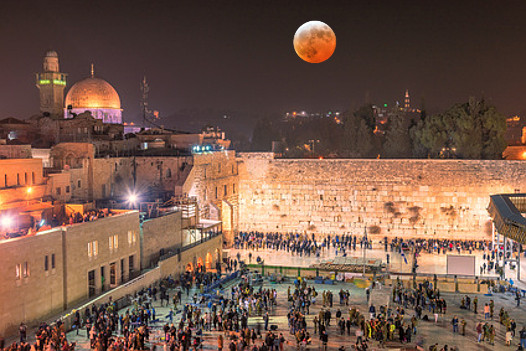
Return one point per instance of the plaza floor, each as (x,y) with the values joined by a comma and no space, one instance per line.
(428,333)
(428,263)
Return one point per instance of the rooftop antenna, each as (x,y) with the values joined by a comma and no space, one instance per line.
(147,114)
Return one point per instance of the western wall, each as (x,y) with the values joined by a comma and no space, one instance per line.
(404,198)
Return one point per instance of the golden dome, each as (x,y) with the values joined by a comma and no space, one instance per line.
(93,93)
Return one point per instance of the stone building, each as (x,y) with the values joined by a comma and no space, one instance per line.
(14,130)
(213,182)
(58,268)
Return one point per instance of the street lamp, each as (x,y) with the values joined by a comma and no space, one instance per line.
(132,199)
(7,222)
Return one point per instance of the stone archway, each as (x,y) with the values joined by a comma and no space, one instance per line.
(209,261)
(199,262)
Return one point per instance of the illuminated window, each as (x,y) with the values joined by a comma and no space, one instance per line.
(131,237)
(18,271)
(25,272)
(113,242)
(93,248)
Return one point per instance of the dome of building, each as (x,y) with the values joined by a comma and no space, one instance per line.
(96,96)
(92,93)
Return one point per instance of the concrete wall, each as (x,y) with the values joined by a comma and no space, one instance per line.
(79,263)
(37,295)
(409,198)
(160,233)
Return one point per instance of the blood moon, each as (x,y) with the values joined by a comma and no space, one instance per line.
(314,42)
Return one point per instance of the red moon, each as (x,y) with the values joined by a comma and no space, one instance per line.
(314,42)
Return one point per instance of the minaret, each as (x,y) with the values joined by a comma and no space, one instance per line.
(407,101)
(51,84)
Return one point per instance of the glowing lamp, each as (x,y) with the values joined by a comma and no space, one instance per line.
(7,221)
(29,190)
(523,156)
(132,198)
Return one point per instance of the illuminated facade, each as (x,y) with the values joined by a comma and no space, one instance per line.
(51,84)
(94,95)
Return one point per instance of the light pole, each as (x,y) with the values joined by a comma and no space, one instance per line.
(364,248)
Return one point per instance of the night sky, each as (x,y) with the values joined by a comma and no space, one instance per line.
(238,55)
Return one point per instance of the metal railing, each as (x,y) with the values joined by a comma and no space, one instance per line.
(205,238)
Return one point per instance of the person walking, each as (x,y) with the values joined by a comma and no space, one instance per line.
(522,335)
(486,311)
(508,337)
(492,335)
(220,342)
(454,322)
(324,338)
(22,330)
(479,332)
(491,308)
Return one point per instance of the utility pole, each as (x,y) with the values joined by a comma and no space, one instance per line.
(364,256)
(146,112)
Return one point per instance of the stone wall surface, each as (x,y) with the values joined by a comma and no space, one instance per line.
(79,262)
(160,233)
(408,198)
(28,291)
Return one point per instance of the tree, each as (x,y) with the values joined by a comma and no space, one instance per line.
(397,138)
(357,136)
(263,135)
(472,130)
